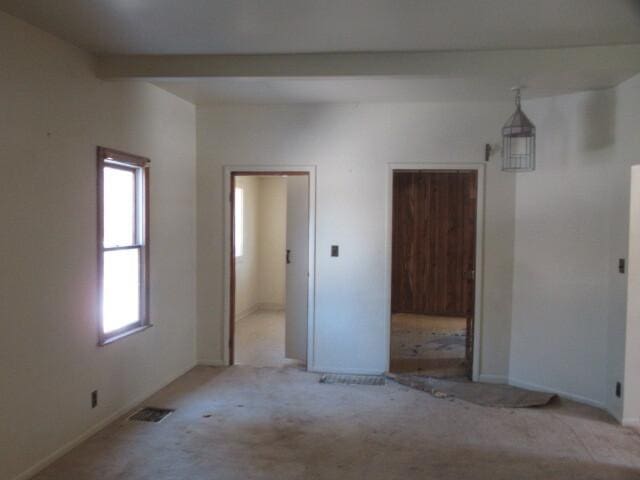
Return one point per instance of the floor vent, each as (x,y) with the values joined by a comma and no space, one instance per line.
(150,414)
(352,379)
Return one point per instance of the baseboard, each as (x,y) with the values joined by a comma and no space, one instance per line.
(271,307)
(577,398)
(490,378)
(615,413)
(216,362)
(631,422)
(266,307)
(246,312)
(66,448)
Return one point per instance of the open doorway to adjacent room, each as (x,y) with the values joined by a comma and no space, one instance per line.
(269,268)
(433,271)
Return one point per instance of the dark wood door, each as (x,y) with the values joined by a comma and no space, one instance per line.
(434,232)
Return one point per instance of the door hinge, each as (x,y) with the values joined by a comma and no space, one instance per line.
(471,275)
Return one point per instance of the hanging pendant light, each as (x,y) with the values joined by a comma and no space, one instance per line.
(518,141)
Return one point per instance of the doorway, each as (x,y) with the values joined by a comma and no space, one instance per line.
(269,268)
(434,227)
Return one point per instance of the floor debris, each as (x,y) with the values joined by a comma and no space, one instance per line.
(293,428)
(331,378)
(486,394)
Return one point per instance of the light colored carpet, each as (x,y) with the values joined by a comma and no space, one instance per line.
(259,340)
(243,423)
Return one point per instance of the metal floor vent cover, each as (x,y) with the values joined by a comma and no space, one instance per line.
(352,379)
(151,414)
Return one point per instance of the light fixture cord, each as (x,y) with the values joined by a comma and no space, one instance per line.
(518,98)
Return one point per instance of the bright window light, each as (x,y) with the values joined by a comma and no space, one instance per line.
(239,222)
(124,256)
(121,289)
(119,206)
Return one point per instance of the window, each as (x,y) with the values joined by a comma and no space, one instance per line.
(238,234)
(123,240)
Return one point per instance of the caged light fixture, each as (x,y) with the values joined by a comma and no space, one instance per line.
(518,141)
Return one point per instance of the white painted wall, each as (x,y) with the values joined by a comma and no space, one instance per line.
(273,230)
(559,329)
(352,145)
(54,113)
(572,226)
(569,304)
(624,340)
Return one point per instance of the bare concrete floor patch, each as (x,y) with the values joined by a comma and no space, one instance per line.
(280,423)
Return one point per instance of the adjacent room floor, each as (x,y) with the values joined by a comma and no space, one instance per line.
(259,340)
(428,345)
(280,423)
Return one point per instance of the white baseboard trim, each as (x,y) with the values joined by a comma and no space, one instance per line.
(67,447)
(490,378)
(216,362)
(615,413)
(631,422)
(266,307)
(271,307)
(577,398)
(246,312)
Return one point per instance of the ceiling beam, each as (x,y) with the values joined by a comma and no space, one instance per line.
(518,63)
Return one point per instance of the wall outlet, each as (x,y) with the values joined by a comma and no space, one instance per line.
(94,399)
(618,389)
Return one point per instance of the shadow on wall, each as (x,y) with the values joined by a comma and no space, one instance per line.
(598,114)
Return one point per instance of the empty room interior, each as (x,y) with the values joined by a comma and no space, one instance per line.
(298,239)
(270,219)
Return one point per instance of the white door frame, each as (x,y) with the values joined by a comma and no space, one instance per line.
(480,168)
(311,171)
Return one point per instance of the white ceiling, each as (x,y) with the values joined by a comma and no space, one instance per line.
(163,28)
(289,26)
